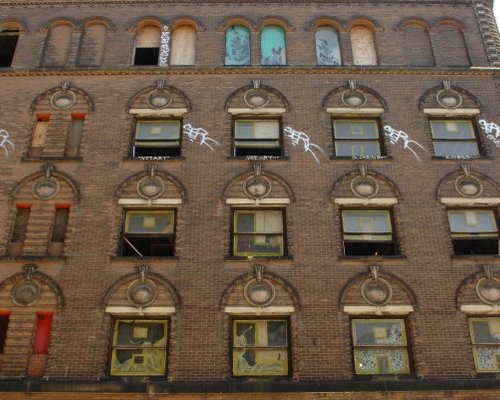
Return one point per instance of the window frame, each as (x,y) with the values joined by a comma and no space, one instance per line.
(476,140)
(138,121)
(9,49)
(475,345)
(361,119)
(252,318)
(123,228)
(233,232)
(249,46)
(257,118)
(284,41)
(406,334)
(134,53)
(114,321)
(333,28)
(472,236)
(394,242)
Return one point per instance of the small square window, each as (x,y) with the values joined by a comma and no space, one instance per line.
(473,231)
(357,138)
(380,347)
(149,234)
(157,139)
(260,137)
(368,232)
(139,348)
(260,348)
(454,139)
(258,233)
(485,338)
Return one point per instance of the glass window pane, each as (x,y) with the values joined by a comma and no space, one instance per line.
(381,361)
(271,245)
(245,222)
(360,221)
(487,358)
(269,221)
(327,47)
(272,45)
(244,334)
(276,333)
(354,148)
(452,130)
(379,332)
(157,130)
(237,45)
(260,362)
(451,148)
(485,330)
(149,222)
(266,129)
(355,129)
(472,221)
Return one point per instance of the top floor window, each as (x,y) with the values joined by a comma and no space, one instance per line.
(327,46)
(183,46)
(147,46)
(272,46)
(363,46)
(8,43)
(237,45)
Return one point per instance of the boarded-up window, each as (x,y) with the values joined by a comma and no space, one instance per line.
(39,135)
(363,46)
(327,46)
(147,46)
(91,50)
(237,45)
(183,46)
(450,47)
(8,43)
(57,46)
(272,46)
(418,46)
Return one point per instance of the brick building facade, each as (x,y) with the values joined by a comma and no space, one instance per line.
(249,199)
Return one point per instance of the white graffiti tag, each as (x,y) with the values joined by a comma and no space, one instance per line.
(395,135)
(491,130)
(195,133)
(4,141)
(164,47)
(298,137)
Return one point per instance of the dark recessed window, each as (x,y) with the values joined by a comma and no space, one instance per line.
(4,326)
(147,46)
(149,234)
(473,231)
(8,43)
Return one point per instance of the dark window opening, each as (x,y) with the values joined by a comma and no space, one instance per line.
(20,225)
(146,56)
(60,223)
(8,43)
(369,249)
(4,325)
(475,246)
(156,151)
(136,246)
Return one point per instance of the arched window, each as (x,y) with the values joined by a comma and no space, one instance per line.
(183,46)
(272,46)
(418,46)
(8,43)
(91,50)
(57,46)
(327,46)
(147,46)
(363,46)
(451,49)
(237,45)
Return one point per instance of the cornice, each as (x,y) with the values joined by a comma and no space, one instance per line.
(257,70)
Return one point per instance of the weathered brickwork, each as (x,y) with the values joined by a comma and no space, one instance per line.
(86,49)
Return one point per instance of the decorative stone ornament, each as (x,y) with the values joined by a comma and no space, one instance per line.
(353,97)
(142,292)
(150,187)
(468,185)
(47,186)
(64,98)
(256,97)
(28,291)
(257,186)
(375,290)
(449,98)
(364,185)
(488,288)
(259,292)
(159,99)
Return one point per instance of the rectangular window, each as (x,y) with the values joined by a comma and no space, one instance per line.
(75,135)
(4,326)
(368,232)
(257,137)
(258,233)
(60,224)
(473,231)
(357,138)
(8,43)
(157,139)
(485,338)
(454,138)
(149,234)
(20,228)
(139,347)
(42,332)
(260,348)
(380,346)
(39,135)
